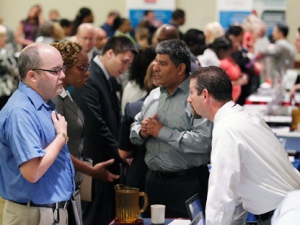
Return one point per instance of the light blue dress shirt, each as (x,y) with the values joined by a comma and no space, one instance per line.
(26,129)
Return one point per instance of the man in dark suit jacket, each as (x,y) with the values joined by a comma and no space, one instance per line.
(100,106)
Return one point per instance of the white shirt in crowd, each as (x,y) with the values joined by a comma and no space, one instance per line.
(248,164)
(132,92)
(209,58)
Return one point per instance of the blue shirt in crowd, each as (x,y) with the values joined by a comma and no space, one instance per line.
(26,129)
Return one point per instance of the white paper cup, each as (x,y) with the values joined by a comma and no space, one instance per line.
(158,214)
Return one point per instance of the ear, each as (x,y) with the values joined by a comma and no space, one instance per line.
(32,76)
(181,68)
(110,53)
(205,94)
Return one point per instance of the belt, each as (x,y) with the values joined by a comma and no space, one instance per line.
(166,174)
(265,216)
(57,205)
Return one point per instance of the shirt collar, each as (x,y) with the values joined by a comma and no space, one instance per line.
(65,93)
(222,111)
(35,98)
(99,63)
(184,87)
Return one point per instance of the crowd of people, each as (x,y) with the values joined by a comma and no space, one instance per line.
(149,106)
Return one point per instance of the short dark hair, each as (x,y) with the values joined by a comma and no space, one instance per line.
(235,30)
(65,23)
(195,36)
(119,44)
(178,52)
(215,80)
(177,14)
(223,43)
(146,12)
(283,28)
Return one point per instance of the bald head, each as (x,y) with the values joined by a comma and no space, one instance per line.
(100,37)
(41,68)
(166,32)
(86,36)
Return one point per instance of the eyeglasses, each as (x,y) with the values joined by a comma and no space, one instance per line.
(83,68)
(54,72)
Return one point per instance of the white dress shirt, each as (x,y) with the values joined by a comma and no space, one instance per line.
(287,213)
(248,164)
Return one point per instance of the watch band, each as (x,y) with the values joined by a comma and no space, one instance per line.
(64,135)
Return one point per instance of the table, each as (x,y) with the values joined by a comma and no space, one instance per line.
(277,116)
(147,221)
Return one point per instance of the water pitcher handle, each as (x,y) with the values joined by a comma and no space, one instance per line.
(145,196)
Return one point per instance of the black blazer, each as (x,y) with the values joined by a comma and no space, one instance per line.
(101,110)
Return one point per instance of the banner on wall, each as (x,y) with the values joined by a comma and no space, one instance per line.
(271,12)
(162,8)
(233,11)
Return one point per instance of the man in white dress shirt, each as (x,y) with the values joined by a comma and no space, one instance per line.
(249,165)
(288,211)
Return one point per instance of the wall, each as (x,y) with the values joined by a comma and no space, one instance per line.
(292,19)
(199,12)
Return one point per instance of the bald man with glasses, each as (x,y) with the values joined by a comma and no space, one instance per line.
(36,171)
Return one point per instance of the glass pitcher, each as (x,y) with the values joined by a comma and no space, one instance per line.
(127,203)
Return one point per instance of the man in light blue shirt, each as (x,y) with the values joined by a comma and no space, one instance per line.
(36,172)
(178,145)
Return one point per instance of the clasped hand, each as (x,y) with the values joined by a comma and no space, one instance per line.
(150,126)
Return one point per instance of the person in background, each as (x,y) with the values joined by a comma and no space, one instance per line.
(168,32)
(142,37)
(59,33)
(84,15)
(212,31)
(195,40)
(37,174)
(86,37)
(177,20)
(101,108)
(9,75)
(67,26)
(100,39)
(10,37)
(46,33)
(135,87)
(282,53)
(215,52)
(249,166)
(27,30)
(54,15)
(108,25)
(148,21)
(178,144)
(296,87)
(77,71)
(230,66)
(249,78)
(261,44)
(137,168)
(122,26)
